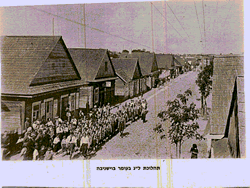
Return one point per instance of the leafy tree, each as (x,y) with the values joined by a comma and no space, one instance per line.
(182,116)
(204,82)
(138,50)
(125,51)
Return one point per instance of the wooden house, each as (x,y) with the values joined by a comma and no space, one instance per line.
(192,62)
(97,74)
(180,64)
(129,73)
(166,65)
(170,65)
(149,67)
(226,128)
(39,79)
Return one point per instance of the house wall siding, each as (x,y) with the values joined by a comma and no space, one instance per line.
(109,72)
(58,67)
(13,118)
(120,87)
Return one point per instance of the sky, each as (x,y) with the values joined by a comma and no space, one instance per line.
(160,26)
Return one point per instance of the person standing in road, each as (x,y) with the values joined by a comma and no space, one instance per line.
(194,152)
(144,110)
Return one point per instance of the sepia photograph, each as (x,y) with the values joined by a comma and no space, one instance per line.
(127,80)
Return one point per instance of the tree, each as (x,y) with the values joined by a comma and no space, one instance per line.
(182,117)
(125,51)
(204,82)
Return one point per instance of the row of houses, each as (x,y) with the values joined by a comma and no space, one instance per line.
(225,131)
(41,78)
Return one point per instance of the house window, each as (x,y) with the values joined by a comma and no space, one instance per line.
(35,112)
(96,95)
(106,66)
(72,102)
(47,107)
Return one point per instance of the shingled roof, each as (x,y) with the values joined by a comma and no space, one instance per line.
(88,61)
(179,61)
(226,69)
(165,61)
(192,60)
(229,147)
(23,57)
(122,74)
(147,62)
(128,65)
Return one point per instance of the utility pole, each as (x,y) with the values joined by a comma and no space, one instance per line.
(165,26)
(152,26)
(84,26)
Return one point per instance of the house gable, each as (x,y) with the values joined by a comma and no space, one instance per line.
(58,67)
(154,64)
(137,72)
(106,69)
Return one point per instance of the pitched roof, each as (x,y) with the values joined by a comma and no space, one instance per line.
(165,61)
(226,69)
(192,60)
(122,74)
(241,115)
(128,65)
(179,61)
(22,58)
(239,97)
(87,61)
(145,60)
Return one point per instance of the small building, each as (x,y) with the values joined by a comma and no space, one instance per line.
(225,131)
(149,67)
(165,62)
(129,73)
(39,80)
(192,62)
(170,65)
(97,74)
(180,65)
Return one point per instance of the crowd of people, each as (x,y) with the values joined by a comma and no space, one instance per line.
(44,139)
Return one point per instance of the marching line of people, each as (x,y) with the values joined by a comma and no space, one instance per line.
(85,135)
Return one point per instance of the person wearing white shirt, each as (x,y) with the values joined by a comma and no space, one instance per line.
(84,144)
(56,143)
(71,140)
(59,131)
(35,153)
(49,123)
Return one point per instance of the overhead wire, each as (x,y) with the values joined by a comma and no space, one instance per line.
(177,19)
(166,19)
(198,19)
(92,28)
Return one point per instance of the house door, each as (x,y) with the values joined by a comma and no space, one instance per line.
(134,94)
(102,96)
(65,102)
(96,96)
(49,109)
